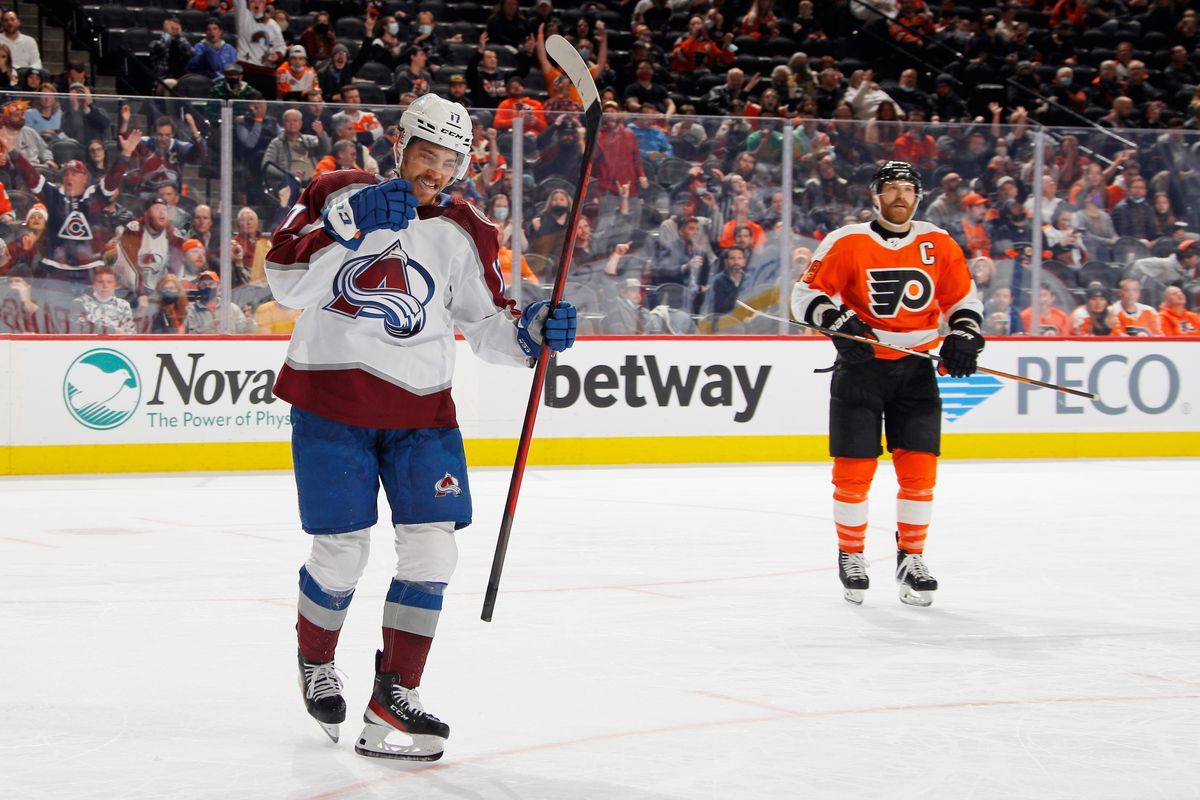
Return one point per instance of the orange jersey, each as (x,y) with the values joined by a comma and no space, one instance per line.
(553,74)
(1183,323)
(1055,322)
(900,287)
(1142,322)
(288,82)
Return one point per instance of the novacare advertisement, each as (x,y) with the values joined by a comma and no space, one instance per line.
(208,402)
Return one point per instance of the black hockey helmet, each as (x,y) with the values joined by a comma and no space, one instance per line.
(895,171)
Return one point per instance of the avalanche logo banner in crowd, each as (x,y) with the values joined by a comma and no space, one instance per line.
(85,404)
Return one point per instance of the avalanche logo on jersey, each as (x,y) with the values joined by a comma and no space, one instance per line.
(448,485)
(891,289)
(389,286)
(75,227)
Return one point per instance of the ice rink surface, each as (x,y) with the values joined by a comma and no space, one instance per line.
(660,633)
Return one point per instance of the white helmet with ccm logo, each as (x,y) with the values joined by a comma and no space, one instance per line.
(441,122)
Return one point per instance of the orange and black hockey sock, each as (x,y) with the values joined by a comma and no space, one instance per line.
(852,482)
(916,472)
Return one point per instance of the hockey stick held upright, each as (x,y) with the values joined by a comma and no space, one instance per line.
(565,55)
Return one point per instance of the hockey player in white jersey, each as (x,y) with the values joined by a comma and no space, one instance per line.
(385,271)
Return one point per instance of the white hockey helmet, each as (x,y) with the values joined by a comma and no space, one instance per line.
(441,122)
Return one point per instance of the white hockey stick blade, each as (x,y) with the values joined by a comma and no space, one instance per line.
(567,57)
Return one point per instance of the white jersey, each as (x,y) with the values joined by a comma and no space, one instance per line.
(375,345)
(256,39)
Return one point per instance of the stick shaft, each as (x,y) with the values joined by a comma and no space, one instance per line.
(592,122)
(919,353)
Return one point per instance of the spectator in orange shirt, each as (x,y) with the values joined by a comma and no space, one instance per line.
(294,77)
(698,51)
(342,157)
(518,102)
(741,219)
(915,145)
(1054,321)
(976,241)
(1134,318)
(1176,320)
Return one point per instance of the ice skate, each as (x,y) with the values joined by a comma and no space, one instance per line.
(322,689)
(852,571)
(398,725)
(916,584)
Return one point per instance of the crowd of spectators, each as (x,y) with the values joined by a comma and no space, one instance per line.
(688,205)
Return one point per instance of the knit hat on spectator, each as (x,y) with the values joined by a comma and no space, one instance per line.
(1003,180)
(974,199)
(1096,289)
(192,244)
(36,208)
(339,48)
(16,105)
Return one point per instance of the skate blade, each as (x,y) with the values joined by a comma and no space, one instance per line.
(384,741)
(332,731)
(911,597)
(854,596)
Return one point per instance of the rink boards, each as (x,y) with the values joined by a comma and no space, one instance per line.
(152,404)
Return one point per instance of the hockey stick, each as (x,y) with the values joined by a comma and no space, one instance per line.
(565,55)
(919,353)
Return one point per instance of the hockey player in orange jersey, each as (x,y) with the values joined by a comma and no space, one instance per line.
(892,280)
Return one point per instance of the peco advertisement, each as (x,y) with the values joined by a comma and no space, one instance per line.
(163,391)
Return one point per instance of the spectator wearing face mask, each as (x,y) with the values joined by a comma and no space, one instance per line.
(168,306)
(206,310)
(1133,216)
(318,39)
(231,87)
(261,46)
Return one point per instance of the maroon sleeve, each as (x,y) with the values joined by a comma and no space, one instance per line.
(302,232)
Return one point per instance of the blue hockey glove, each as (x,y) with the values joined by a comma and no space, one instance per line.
(538,325)
(390,205)
(960,349)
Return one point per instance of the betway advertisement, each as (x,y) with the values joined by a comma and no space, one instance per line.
(82,391)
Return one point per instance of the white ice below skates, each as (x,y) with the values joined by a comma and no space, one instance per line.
(380,740)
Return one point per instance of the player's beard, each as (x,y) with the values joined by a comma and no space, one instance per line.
(897,215)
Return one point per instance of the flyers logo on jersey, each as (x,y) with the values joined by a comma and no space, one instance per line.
(448,485)
(891,290)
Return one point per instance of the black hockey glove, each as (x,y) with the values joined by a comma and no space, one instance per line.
(843,320)
(961,348)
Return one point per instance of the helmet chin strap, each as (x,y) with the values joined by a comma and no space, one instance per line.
(887,224)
